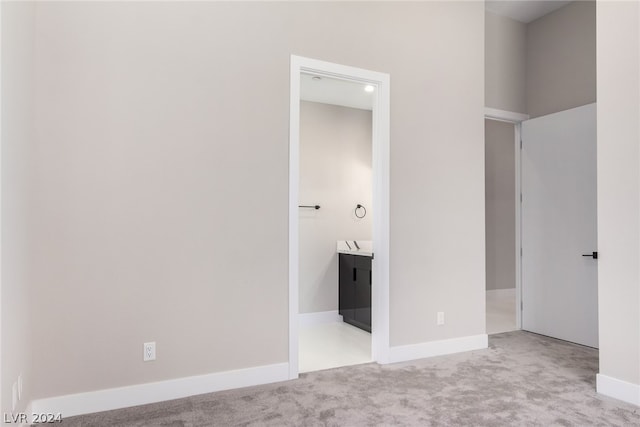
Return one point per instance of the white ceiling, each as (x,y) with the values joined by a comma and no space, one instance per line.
(523,10)
(336,92)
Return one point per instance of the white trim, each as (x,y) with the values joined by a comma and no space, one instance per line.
(381,190)
(123,397)
(504,116)
(516,119)
(294,174)
(618,389)
(380,341)
(318,318)
(438,348)
(518,188)
(2,374)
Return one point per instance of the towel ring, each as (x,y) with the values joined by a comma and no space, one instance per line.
(360,211)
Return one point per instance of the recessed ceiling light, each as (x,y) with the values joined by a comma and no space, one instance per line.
(316,78)
(369,88)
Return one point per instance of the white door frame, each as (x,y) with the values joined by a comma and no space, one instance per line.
(380,173)
(516,119)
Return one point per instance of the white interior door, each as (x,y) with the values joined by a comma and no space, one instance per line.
(559,284)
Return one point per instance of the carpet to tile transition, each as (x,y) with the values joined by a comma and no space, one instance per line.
(522,379)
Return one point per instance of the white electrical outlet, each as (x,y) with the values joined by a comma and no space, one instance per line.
(440,320)
(20,387)
(14,402)
(149,351)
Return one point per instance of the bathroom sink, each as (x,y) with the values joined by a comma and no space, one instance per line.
(351,247)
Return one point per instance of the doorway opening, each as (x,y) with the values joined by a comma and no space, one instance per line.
(378,83)
(555,217)
(335,178)
(503,221)
(500,226)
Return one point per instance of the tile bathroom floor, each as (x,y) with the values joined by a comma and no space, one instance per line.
(330,345)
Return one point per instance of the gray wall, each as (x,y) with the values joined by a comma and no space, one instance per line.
(17,165)
(619,190)
(161,178)
(500,204)
(335,172)
(505,63)
(561,59)
(543,67)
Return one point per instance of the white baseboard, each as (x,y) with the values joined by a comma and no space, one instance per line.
(618,389)
(123,397)
(318,318)
(17,417)
(437,348)
(504,116)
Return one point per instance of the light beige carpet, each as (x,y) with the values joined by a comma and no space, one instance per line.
(523,379)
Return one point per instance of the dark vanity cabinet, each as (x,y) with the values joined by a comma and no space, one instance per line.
(355,290)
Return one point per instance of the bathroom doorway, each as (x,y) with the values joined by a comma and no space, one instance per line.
(335,215)
(316,296)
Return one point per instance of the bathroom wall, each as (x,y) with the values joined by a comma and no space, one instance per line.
(500,204)
(335,173)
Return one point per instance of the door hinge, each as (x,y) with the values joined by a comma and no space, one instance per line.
(520,251)
(521,306)
(520,197)
(521,144)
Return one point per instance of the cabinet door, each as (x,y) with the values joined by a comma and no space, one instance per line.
(363,291)
(346,287)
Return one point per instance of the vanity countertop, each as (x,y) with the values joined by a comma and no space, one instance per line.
(366,247)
